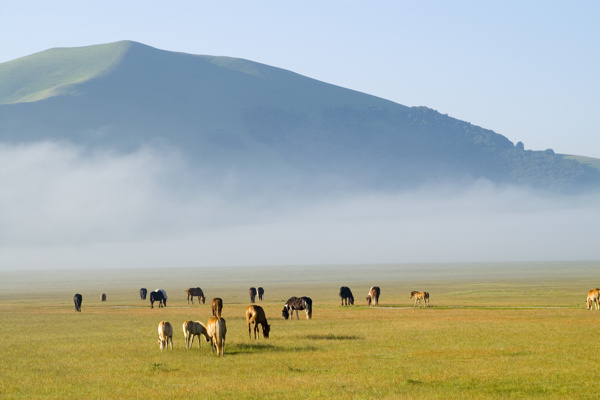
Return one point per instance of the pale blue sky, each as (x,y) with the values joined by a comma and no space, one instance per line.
(525,69)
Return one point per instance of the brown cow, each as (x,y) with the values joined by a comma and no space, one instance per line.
(256,315)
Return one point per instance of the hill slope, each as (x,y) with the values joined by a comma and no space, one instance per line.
(229,114)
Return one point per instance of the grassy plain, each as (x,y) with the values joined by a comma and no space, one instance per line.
(494,331)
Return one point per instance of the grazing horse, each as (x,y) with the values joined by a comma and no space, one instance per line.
(143,293)
(165,335)
(217,330)
(252,293)
(217,307)
(420,297)
(77,300)
(191,292)
(373,296)
(256,315)
(260,292)
(593,298)
(158,295)
(297,303)
(194,328)
(103,297)
(346,295)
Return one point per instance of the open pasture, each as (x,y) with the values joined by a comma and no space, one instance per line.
(493,331)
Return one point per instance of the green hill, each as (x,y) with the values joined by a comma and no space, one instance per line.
(270,124)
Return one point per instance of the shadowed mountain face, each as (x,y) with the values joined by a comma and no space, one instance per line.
(267,125)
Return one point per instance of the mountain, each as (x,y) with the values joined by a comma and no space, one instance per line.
(268,124)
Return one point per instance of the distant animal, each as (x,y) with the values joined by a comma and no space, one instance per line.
(260,292)
(256,315)
(295,304)
(373,296)
(217,330)
(194,328)
(143,293)
(77,300)
(165,334)
(191,292)
(252,292)
(103,297)
(593,298)
(158,295)
(420,297)
(346,295)
(217,307)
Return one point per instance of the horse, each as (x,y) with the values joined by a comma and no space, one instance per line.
(420,296)
(256,315)
(194,328)
(297,303)
(217,330)
(346,295)
(252,293)
(593,298)
(103,297)
(143,293)
(77,300)
(217,307)
(165,335)
(373,296)
(260,292)
(191,292)
(158,295)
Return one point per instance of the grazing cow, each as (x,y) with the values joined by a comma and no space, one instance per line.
(420,297)
(297,303)
(373,296)
(256,315)
(260,292)
(165,334)
(158,295)
(593,298)
(217,307)
(143,293)
(191,292)
(346,295)
(103,297)
(191,329)
(252,292)
(217,330)
(77,300)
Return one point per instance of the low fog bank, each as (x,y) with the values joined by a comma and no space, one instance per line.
(63,206)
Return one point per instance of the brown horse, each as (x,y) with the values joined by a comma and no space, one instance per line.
(593,298)
(217,307)
(191,329)
(165,335)
(252,292)
(420,296)
(261,293)
(191,292)
(103,297)
(256,315)
(373,296)
(217,330)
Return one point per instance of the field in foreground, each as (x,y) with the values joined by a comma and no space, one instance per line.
(494,331)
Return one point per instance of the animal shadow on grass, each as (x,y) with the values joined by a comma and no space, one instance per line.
(331,336)
(245,348)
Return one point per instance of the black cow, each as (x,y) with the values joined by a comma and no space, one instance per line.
(77,300)
(297,303)
(252,292)
(158,295)
(143,293)
(346,295)
(260,292)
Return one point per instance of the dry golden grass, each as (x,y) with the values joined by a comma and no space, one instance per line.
(485,336)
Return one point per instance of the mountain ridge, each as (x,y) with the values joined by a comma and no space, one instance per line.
(228,113)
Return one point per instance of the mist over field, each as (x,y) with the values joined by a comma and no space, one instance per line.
(64,206)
